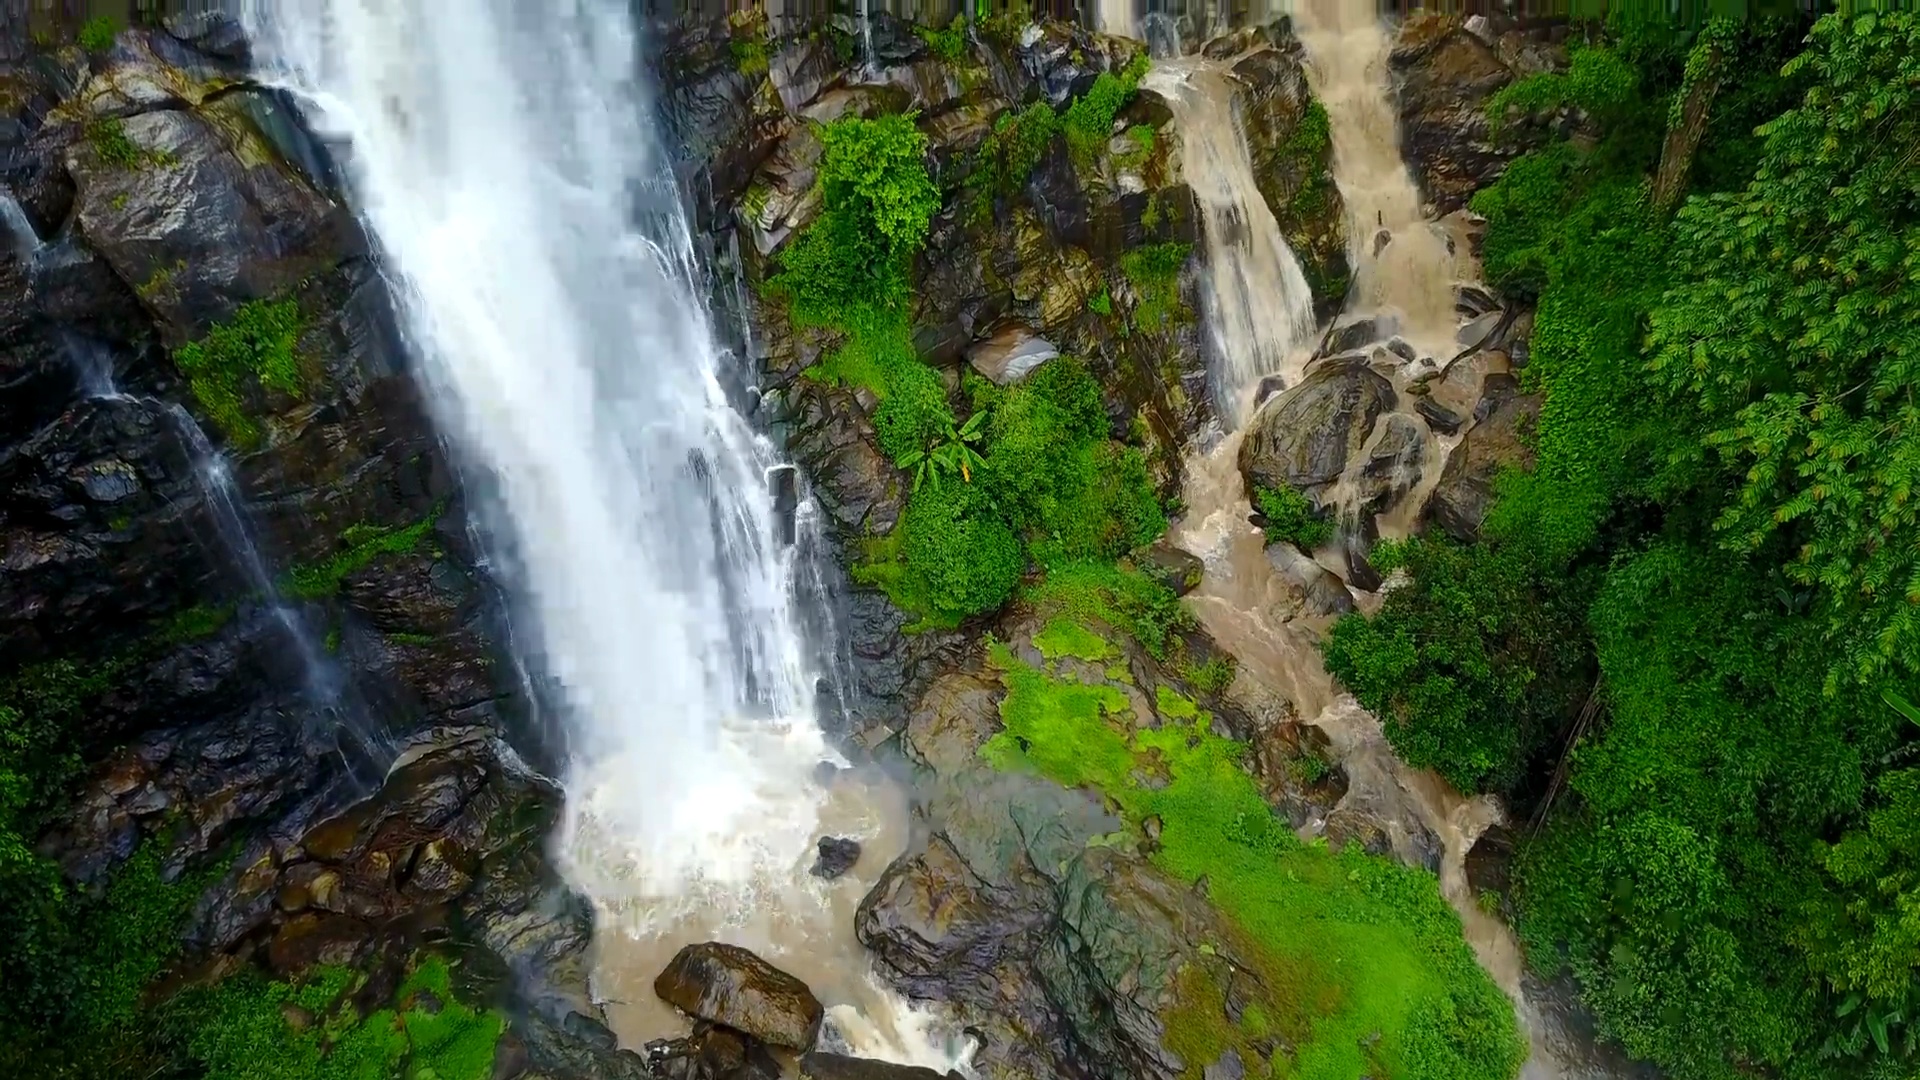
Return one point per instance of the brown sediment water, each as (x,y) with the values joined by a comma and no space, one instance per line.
(1405,267)
(1401,261)
(1258,307)
(797,921)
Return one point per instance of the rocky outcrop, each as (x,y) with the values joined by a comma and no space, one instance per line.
(1499,439)
(819,1066)
(1446,67)
(1304,437)
(245,598)
(729,985)
(1062,952)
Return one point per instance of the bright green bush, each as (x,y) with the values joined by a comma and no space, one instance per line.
(962,556)
(97,33)
(949,44)
(241,1029)
(1291,518)
(1089,120)
(1472,665)
(256,344)
(1154,271)
(914,413)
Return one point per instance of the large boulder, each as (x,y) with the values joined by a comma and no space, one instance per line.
(824,1066)
(729,985)
(1304,437)
(1500,438)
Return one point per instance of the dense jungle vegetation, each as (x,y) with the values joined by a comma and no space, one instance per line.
(1709,585)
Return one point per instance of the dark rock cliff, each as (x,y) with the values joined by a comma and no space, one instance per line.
(237,569)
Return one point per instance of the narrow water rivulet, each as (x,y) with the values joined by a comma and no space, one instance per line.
(505,157)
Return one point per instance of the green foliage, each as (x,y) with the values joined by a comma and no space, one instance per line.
(1359,963)
(1792,341)
(952,453)
(1108,595)
(949,44)
(1471,665)
(1291,518)
(75,984)
(1101,303)
(1051,469)
(1142,137)
(257,344)
(97,34)
(360,546)
(962,557)
(1726,451)
(1009,153)
(1598,81)
(109,140)
(751,50)
(1089,120)
(243,1029)
(1154,271)
(913,415)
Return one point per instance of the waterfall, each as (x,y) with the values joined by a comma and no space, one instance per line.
(1259,308)
(1116,17)
(505,158)
(1401,262)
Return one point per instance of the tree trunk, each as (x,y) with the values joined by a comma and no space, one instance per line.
(1683,136)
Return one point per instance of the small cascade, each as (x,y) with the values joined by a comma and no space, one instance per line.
(18,230)
(1402,263)
(1259,308)
(370,751)
(1270,607)
(1116,18)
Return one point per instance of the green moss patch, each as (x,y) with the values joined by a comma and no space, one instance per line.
(256,345)
(361,545)
(248,1028)
(1362,963)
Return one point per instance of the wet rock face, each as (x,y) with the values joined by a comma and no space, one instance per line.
(1502,422)
(1446,67)
(1060,951)
(366,794)
(729,985)
(1303,437)
(822,1066)
(711,1052)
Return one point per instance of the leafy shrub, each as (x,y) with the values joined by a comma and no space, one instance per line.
(1291,518)
(1154,271)
(1009,153)
(256,343)
(914,412)
(1089,120)
(949,44)
(98,33)
(1472,665)
(962,555)
(1124,599)
(242,1029)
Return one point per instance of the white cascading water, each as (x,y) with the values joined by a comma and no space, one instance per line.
(1259,308)
(503,154)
